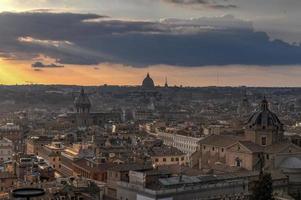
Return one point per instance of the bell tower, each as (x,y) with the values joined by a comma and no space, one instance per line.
(82,105)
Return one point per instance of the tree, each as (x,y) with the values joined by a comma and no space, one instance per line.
(298,195)
(263,188)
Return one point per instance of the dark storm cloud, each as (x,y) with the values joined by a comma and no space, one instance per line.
(92,39)
(220,6)
(223,4)
(42,65)
(187,1)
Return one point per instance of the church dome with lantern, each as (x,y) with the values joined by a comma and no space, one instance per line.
(264,118)
(148,83)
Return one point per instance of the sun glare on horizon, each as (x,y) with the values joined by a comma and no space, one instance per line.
(4,6)
(8,75)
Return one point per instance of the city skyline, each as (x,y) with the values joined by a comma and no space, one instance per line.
(150,99)
(193,43)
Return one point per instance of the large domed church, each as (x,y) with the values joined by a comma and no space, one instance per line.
(147,90)
(264,127)
(262,145)
(83,117)
(148,83)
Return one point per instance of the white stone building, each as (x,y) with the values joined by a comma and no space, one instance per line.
(184,143)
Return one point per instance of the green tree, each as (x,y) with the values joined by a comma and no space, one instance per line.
(298,195)
(263,188)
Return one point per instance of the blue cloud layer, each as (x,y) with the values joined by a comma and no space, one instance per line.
(88,39)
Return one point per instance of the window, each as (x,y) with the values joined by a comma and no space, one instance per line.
(268,156)
(222,149)
(156,160)
(177,159)
(172,159)
(182,158)
(204,147)
(237,162)
(212,148)
(263,140)
(164,159)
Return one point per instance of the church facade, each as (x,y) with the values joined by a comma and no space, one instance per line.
(83,117)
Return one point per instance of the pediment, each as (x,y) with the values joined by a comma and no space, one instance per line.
(238,147)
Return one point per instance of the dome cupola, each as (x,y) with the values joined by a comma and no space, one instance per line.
(148,83)
(264,118)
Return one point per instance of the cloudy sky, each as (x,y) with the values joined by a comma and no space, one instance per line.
(192,42)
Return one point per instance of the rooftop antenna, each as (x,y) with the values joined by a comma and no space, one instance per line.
(217,78)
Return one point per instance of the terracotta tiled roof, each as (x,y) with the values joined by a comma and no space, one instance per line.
(219,140)
(82,163)
(164,150)
(278,147)
(128,167)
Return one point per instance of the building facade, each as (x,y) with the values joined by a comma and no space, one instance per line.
(186,144)
(83,117)
(6,149)
(14,133)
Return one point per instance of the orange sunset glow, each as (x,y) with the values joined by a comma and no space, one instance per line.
(21,72)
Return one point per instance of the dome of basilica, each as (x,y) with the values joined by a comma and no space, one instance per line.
(148,83)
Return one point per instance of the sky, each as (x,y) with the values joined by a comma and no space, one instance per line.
(192,42)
